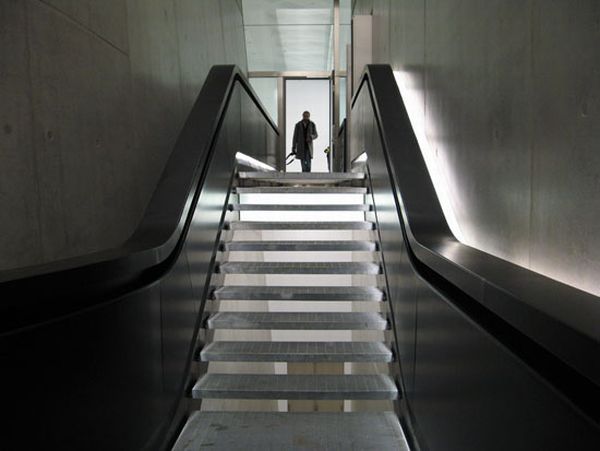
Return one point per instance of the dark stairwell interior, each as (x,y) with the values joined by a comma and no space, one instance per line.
(427,294)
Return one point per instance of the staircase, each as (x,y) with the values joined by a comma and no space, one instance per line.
(298,264)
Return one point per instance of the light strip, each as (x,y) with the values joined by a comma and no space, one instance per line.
(253,163)
(413,101)
(362,158)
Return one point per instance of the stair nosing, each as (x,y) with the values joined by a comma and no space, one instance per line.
(291,268)
(298,293)
(295,386)
(254,175)
(300,207)
(296,351)
(297,321)
(350,190)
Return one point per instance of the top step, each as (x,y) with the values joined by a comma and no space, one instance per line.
(302,177)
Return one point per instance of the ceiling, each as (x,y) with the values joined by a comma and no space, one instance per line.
(293,35)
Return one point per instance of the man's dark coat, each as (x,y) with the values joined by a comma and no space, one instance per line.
(299,144)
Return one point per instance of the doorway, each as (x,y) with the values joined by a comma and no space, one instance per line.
(313,95)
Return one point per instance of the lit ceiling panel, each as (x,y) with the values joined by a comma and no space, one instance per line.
(288,12)
(289,47)
(291,35)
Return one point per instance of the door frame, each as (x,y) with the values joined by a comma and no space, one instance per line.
(282,76)
(283,128)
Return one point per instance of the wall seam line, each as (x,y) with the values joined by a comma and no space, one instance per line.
(83,27)
(34,147)
(531,143)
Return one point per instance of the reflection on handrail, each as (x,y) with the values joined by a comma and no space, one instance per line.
(246,160)
(362,158)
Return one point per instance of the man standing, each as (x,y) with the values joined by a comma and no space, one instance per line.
(305,132)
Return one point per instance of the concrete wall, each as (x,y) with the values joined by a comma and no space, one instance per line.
(93,94)
(510,96)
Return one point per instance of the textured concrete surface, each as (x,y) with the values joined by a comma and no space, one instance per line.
(511,110)
(93,96)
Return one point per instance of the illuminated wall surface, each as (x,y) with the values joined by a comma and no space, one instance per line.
(505,97)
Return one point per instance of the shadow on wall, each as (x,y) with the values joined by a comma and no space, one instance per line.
(93,101)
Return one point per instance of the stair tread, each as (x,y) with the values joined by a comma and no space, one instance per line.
(302,293)
(321,177)
(295,386)
(347,245)
(296,351)
(301,225)
(300,189)
(299,207)
(299,268)
(298,320)
(258,431)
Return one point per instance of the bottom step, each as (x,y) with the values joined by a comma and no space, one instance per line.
(377,431)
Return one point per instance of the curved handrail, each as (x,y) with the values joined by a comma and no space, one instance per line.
(557,318)
(41,293)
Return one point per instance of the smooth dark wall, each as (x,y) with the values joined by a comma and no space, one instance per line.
(94,93)
(511,109)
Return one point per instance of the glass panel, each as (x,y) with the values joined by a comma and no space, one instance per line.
(345,12)
(290,47)
(266,89)
(312,95)
(288,12)
(342,82)
(345,36)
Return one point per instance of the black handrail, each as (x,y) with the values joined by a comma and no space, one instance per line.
(551,325)
(36,294)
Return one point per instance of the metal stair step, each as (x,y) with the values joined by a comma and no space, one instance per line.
(271,293)
(299,177)
(300,190)
(321,225)
(305,246)
(299,207)
(296,351)
(295,386)
(299,268)
(294,431)
(298,320)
